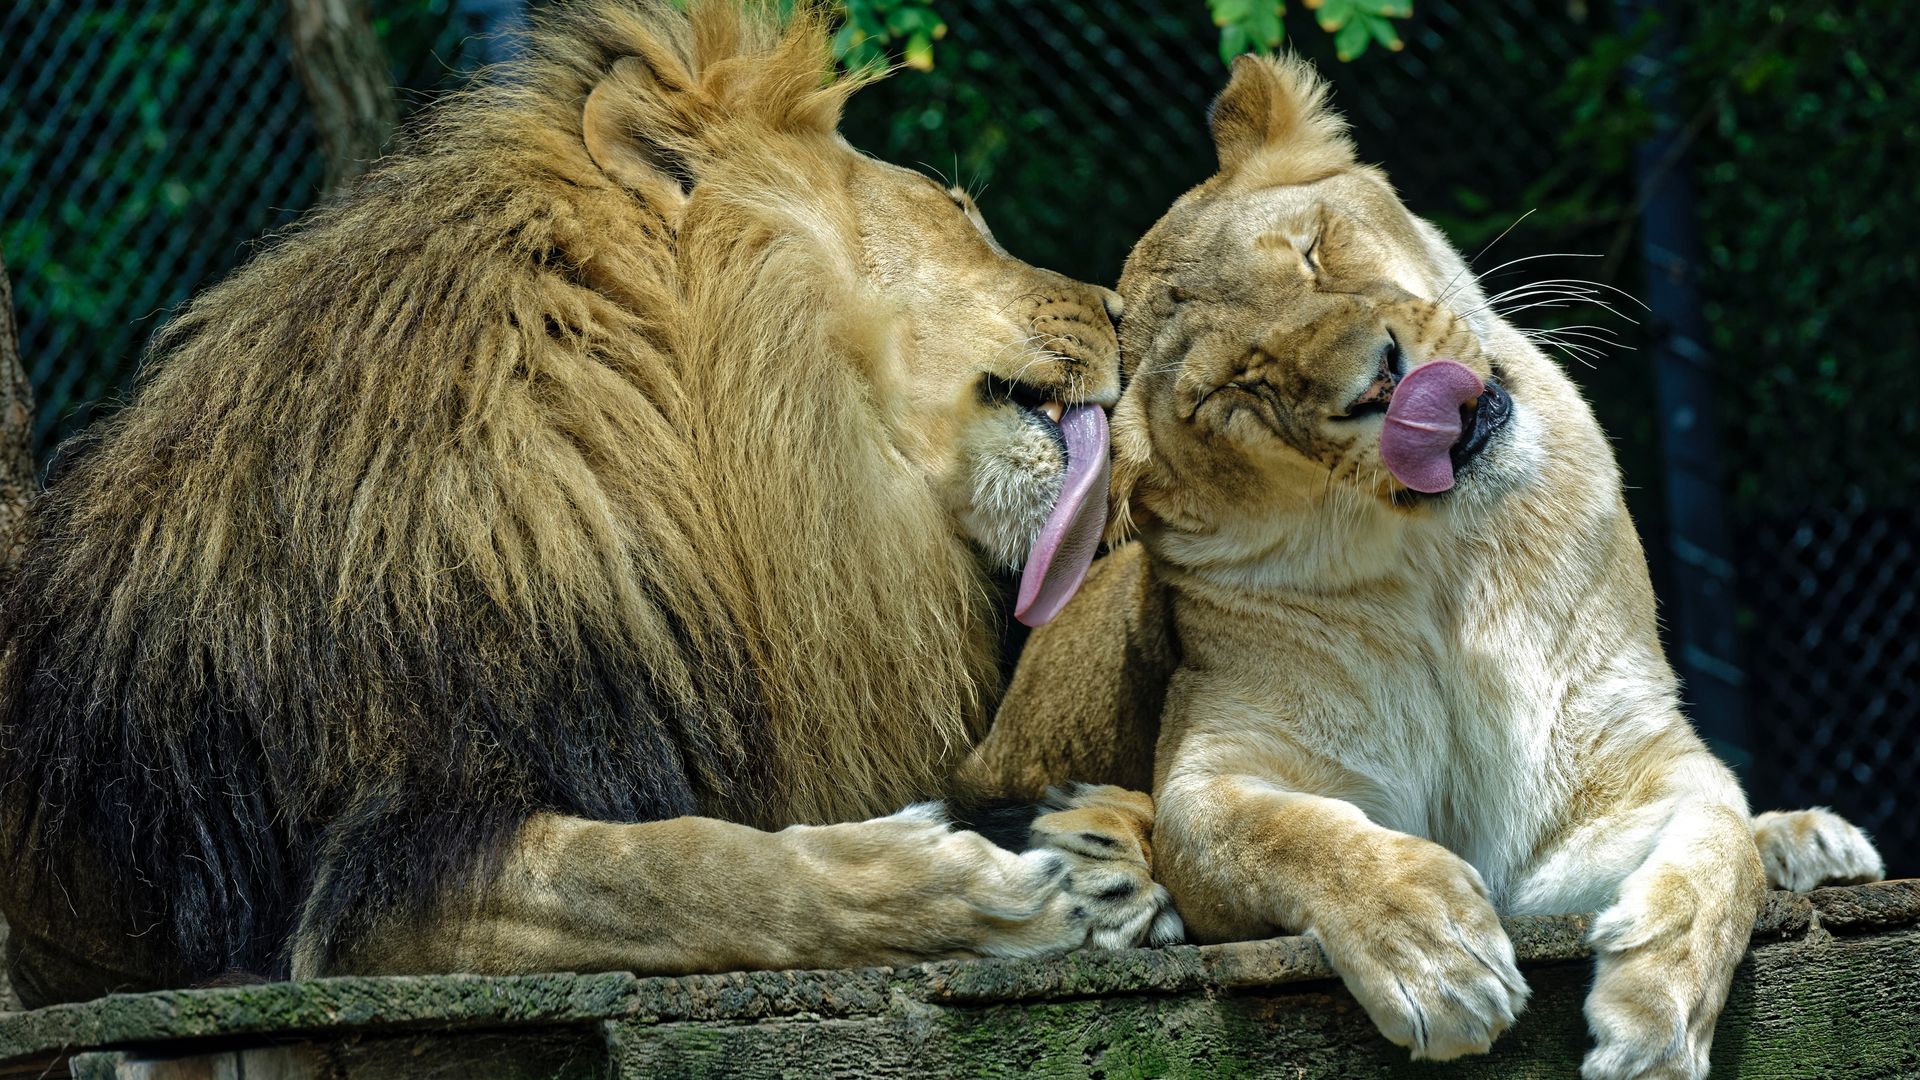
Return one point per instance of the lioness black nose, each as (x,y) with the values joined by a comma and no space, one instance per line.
(1114,305)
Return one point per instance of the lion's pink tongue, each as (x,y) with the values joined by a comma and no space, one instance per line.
(1423,423)
(1071,537)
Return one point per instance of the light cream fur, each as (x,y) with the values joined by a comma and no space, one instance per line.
(1395,718)
(1804,849)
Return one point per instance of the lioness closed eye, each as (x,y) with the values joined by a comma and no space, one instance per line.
(1419,680)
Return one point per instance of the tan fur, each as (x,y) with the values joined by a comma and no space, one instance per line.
(864,676)
(1396,717)
(1085,700)
(700,895)
(627,372)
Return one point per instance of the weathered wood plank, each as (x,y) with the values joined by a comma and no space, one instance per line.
(1837,1007)
(1831,988)
(8,1002)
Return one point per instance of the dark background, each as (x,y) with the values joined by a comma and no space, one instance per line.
(145,146)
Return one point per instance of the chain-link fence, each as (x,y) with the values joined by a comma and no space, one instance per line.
(142,146)
(145,143)
(1835,650)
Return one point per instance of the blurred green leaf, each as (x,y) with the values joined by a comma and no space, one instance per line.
(1352,39)
(1229,12)
(1382,31)
(871,30)
(919,52)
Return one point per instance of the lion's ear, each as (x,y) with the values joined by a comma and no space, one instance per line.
(613,124)
(1274,115)
(1132,456)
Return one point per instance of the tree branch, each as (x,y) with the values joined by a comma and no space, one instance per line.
(17,484)
(345,75)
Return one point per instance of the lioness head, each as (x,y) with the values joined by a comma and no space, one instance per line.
(1274,312)
(985,370)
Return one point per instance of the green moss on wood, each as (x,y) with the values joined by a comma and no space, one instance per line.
(1829,989)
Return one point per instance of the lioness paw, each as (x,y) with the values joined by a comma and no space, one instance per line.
(1664,955)
(1804,849)
(1432,967)
(1638,1009)
(1104,835)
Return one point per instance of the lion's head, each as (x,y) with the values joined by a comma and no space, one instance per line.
(882,401)
(1000,351)
(1275,311)
(974,354)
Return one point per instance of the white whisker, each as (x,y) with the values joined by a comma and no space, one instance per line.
(1468,264)
(1605,339)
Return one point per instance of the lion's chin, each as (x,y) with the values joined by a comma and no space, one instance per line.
(1013,472)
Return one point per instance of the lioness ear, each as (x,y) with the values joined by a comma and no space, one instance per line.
(1274,114)
(612,126)
(1132,454)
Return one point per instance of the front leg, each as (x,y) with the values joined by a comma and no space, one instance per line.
(1085,701)
(700,895)
(1405,922)
(1667,947)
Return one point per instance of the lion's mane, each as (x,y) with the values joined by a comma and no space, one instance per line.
(495,488)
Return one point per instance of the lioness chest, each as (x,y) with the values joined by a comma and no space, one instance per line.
(1436,717)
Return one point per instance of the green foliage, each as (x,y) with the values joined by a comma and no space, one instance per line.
(1069,174)
(1356,24)
(1256,25)
(1807,116)
(124,181)
(873,28)
(1248,25)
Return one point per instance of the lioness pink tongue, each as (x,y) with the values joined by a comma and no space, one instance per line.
(1423,423)
(1071,537)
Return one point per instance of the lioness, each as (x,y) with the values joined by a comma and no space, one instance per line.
(1414,677)
(612,475)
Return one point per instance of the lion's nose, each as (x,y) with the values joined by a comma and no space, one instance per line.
(1114,305)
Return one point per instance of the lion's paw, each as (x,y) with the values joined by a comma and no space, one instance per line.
(1104,836)
(1083,880)
(1435,970)
(974,898)
(1803,849)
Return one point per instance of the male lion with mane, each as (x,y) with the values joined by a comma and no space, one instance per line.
(613,474)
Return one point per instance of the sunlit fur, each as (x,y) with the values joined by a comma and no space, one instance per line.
(1392,718)
(503,485)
